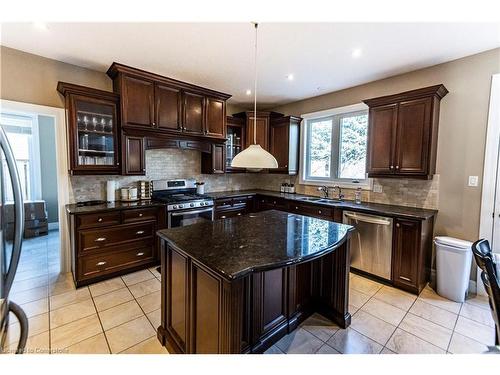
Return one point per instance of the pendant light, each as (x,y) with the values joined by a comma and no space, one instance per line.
(254,157)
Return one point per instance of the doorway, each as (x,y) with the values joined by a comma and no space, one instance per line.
(489,226)
(37,136)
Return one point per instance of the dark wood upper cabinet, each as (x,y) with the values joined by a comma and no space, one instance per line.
(168,104)
(235,141)
(93,129)
(164,107)
(194,113)
(284,139)
(261,130)
(133,156)
(214,162)
(402,133)
(137,102)
(216,117)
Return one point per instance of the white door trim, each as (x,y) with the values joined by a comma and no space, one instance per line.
(491,173)
(63,183)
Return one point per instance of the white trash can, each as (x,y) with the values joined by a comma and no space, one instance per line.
(453,262)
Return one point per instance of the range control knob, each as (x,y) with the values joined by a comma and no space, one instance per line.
(174,207)
(192,204)
(181,206)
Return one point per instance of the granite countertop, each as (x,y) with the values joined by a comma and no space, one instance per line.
(271,239)
(110,206)
(367,207)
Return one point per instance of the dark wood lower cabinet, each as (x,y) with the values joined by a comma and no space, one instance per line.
(107,244)
(411,254)
(205,313)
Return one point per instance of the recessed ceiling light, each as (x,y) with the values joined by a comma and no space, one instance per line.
(248,92)
(40,26)
(289,77)
(357,52)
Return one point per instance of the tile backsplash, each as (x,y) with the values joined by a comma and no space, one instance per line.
(176,163)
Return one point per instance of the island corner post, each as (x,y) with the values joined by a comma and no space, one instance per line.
(203,312)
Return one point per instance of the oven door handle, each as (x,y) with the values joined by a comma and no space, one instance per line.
(191,212)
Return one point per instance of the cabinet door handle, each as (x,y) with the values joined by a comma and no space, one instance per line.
(140,254)
(405,278)
(139,232)
(100,239)
(397,225)
(99,220)
(239,213)
(319,212)
(296,208)
(153,124)
(223,217)
(141,215)
(391,167)
(286,165)
(274,202)
(100,263)
(397,166)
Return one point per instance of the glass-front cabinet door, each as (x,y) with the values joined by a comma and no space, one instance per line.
(235,142)
(92,129)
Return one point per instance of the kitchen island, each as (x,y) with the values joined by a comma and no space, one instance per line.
(239,285)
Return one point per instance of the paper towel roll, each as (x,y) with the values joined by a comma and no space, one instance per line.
(110,190)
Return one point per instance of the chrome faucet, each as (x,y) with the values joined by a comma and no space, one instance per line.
(324,190)
(341,196)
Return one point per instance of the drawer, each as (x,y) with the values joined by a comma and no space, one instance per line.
(95,239)
(96,265)
(312,210)
(269,203)
(225,202)
(97,220)
(241,200)
(139,214)
(225,214)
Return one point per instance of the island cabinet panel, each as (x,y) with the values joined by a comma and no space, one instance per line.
(402,133)
(177,298)
(270,294)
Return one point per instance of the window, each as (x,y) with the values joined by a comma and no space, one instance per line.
(22,133)
(334,147)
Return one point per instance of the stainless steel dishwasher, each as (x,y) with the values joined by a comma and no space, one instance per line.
(371,243)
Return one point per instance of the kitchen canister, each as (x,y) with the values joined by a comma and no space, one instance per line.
(200,188)
(110,190)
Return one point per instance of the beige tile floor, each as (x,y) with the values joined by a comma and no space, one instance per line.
(121,315)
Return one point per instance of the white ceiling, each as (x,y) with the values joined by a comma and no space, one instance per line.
(220,55)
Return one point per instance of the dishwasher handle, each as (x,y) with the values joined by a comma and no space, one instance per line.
(367,219)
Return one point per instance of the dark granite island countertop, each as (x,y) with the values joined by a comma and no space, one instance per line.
(239,285)
(256,242)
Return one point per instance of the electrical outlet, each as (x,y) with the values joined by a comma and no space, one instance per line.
(377,188)
(473,180)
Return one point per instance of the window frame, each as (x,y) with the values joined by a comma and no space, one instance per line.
(305,179)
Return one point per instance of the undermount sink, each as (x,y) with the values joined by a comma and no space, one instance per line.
(328,200)
(310,199)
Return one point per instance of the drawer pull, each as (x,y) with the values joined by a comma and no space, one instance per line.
(296,208)
(405,278)
(100,263)
(141,215)
(100,239)
(319,211)
(140,254)
(223,217)
(239,213)
(99,220)
(139,232)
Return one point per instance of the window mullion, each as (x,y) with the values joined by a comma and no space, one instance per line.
(335,148)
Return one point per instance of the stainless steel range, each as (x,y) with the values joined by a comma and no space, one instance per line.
(184,206)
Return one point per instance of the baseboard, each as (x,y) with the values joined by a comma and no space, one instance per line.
(54,225)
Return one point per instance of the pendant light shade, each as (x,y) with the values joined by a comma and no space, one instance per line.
(254,157)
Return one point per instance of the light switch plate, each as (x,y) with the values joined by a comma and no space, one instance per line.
(473,180)
(377,188)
